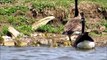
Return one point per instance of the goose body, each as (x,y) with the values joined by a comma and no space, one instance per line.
(84,41)
(72,26)
(86,44)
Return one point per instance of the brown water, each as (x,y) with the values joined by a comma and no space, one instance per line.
(45,53)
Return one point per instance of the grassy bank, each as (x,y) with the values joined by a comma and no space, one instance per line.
(22,21)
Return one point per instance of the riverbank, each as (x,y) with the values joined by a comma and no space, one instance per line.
(50,40)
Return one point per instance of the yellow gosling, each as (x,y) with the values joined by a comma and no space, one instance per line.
(23,44)
(67,43)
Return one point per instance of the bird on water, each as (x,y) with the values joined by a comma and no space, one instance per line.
(84,41)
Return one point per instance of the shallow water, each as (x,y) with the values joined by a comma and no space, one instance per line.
(45,53)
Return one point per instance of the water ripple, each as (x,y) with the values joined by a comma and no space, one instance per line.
(45,53)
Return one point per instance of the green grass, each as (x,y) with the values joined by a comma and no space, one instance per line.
(11,10)
(25,29)
(103,3)
(7,1)
(56,3)
(50,28)
(105,26)
(4,30)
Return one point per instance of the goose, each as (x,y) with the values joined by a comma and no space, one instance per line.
(84,41)
(73,25)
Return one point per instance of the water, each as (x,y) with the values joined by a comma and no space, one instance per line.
(45,53)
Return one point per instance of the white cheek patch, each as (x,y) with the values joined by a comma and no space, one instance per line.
(86,45)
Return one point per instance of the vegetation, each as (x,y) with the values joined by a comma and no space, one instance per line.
(6,1)
(50,28)
(23,23)
(4,30)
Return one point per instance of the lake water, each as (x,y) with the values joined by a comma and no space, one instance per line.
(46,53)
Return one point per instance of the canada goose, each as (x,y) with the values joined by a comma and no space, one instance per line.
(84,41)
(74,24)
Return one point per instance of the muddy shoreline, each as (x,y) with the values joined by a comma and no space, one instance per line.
(50,40)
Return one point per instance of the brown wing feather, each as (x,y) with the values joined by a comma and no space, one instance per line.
(73,25)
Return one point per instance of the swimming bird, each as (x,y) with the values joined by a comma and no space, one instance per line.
(73,25)
(84,41)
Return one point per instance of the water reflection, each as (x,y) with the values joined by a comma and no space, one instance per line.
(45,53)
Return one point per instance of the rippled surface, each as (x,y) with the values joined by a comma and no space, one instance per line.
(45,53)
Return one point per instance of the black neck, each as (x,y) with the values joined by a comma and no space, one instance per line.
(76,8)
(83,21)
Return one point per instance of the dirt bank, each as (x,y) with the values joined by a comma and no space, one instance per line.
(100,40)
(50,39)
